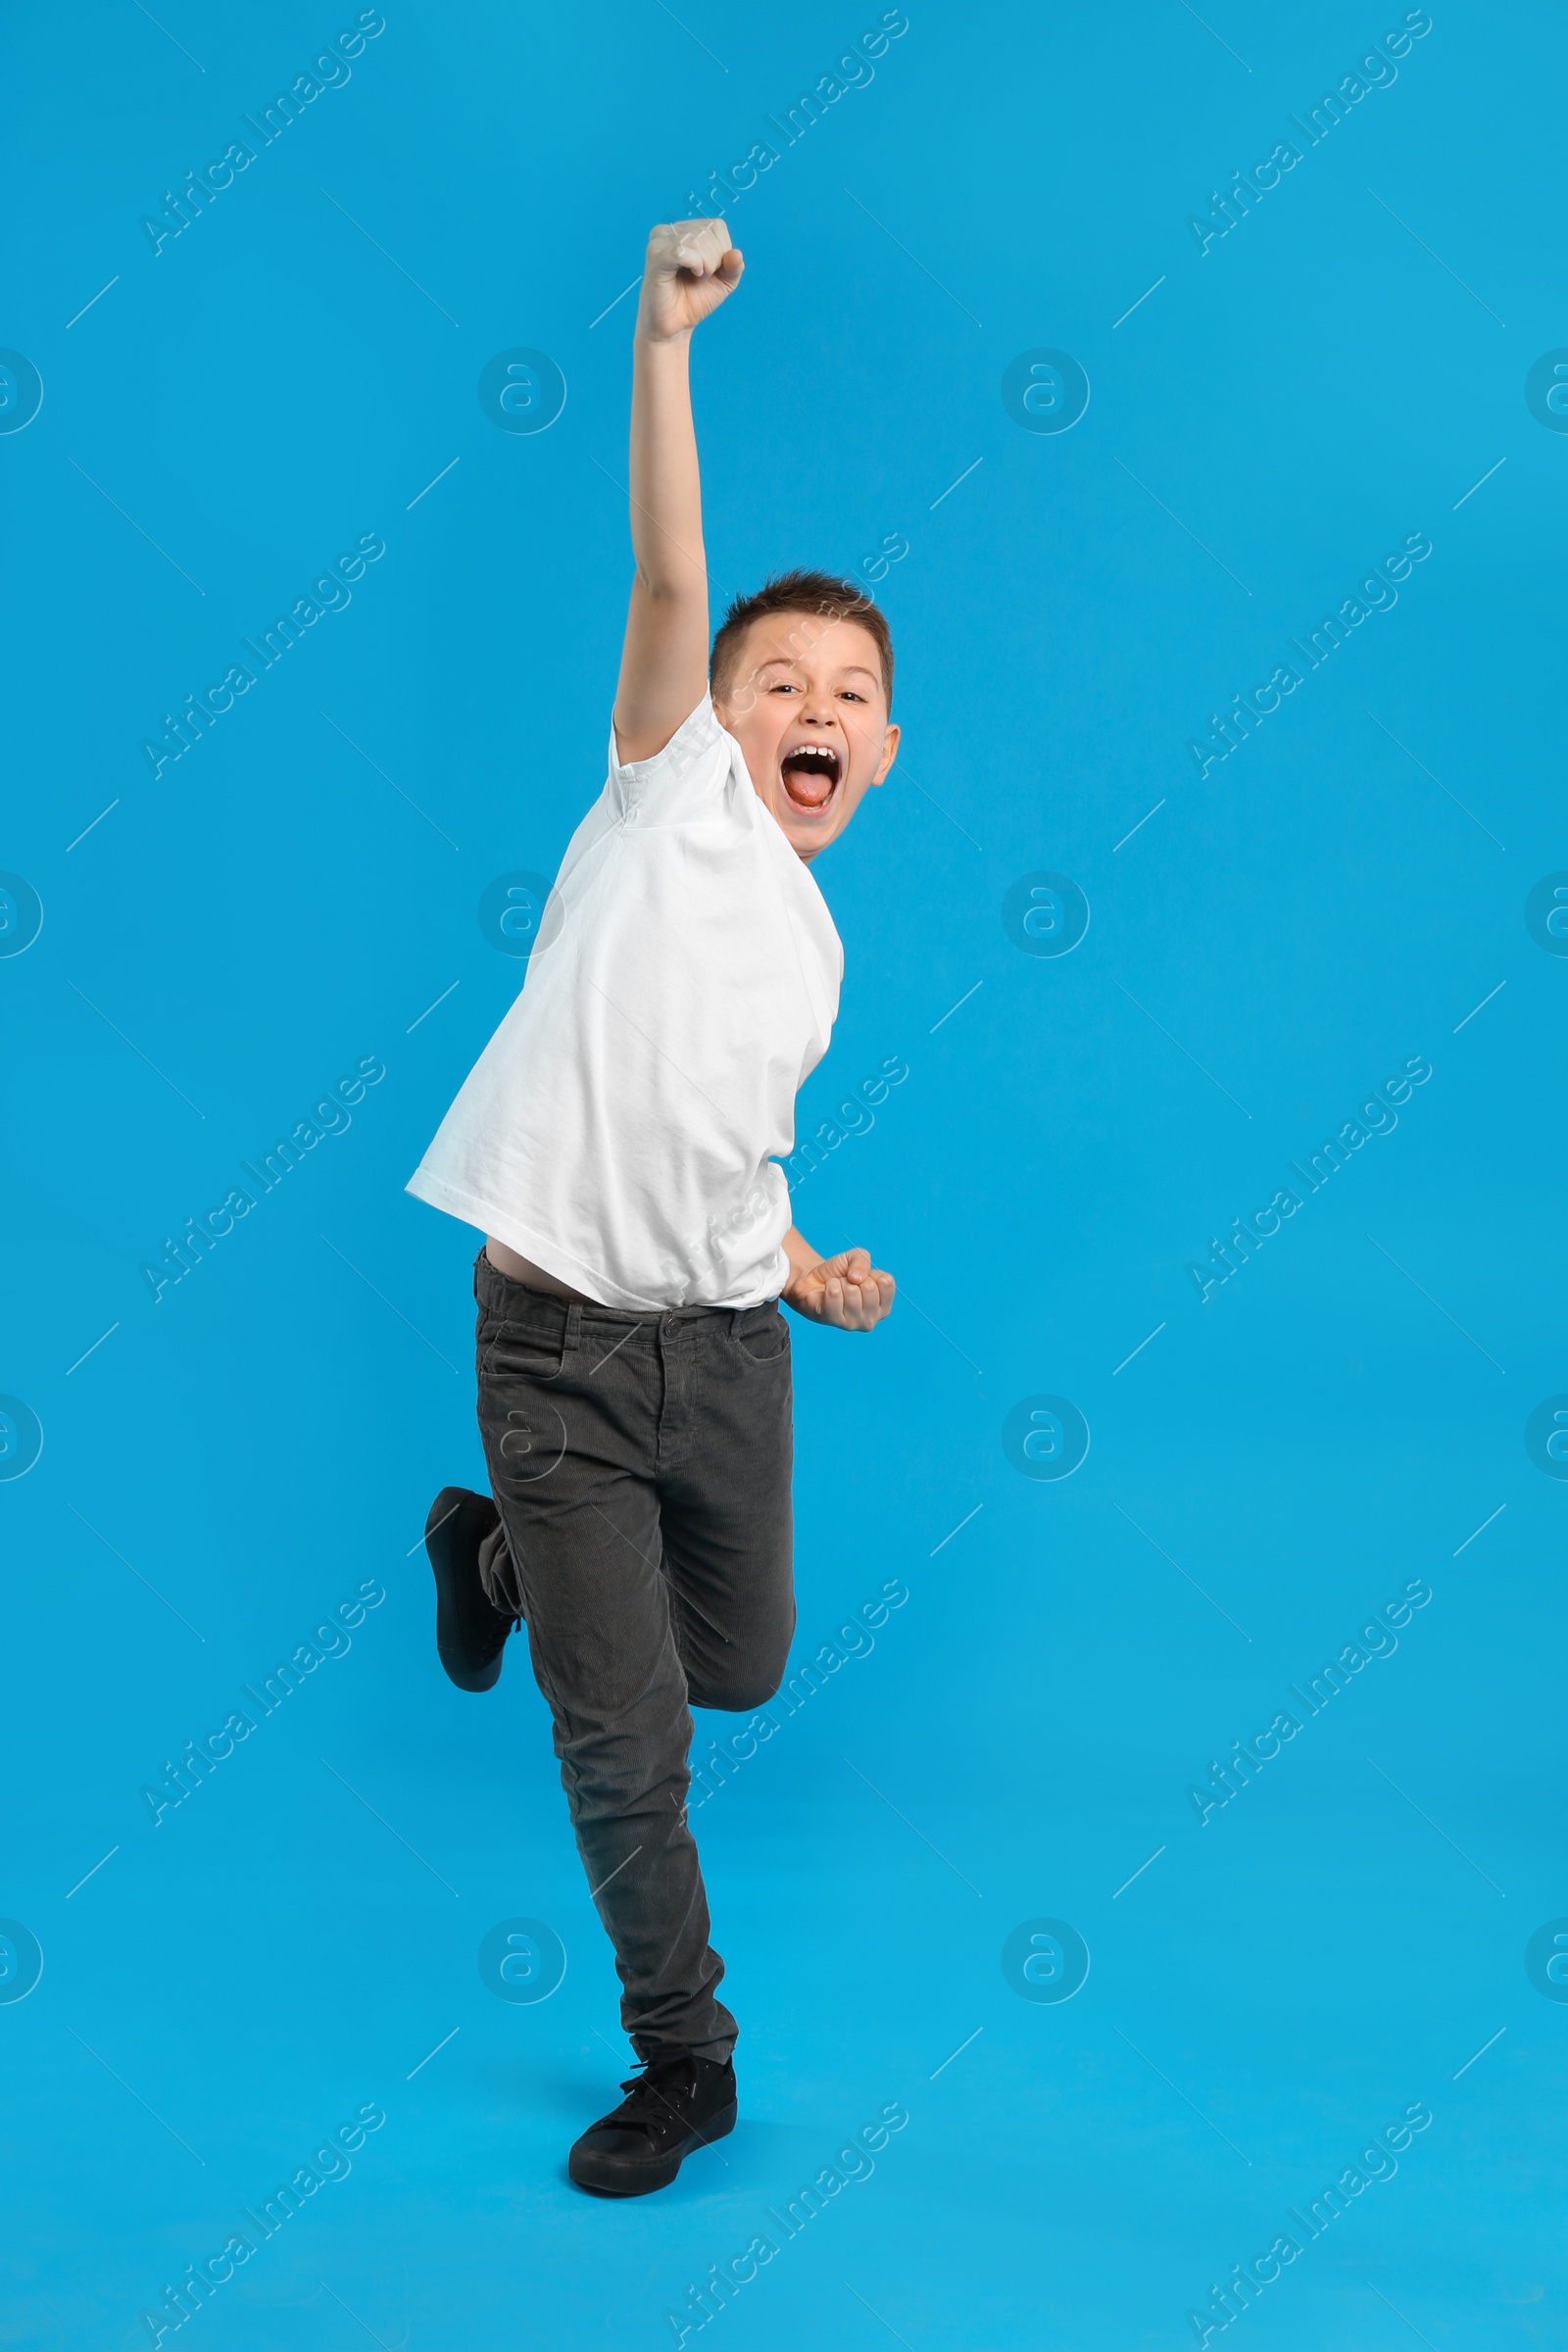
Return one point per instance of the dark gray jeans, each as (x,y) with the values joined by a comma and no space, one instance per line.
(641,1466)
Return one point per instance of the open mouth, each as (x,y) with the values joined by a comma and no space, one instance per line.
(810,773)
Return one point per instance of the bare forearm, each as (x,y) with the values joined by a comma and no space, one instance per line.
(666,500)
(802,1256)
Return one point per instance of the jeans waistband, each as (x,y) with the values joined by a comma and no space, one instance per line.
(500,1294)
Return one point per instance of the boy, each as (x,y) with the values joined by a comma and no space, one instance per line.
(616,1143)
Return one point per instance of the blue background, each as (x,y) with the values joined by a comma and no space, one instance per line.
(226,1465)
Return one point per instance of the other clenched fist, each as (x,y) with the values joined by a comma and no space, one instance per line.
(846,1292)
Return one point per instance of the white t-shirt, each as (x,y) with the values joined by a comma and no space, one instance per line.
(621,1128)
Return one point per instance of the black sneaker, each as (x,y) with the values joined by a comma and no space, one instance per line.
(677,2103)
(469,1633)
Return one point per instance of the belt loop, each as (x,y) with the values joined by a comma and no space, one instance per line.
(735,1314)
(573,1325)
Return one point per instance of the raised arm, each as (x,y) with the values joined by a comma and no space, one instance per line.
(691,267)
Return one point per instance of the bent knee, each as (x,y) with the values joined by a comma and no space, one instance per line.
(742,1675)
(735,1699)
(739,1690)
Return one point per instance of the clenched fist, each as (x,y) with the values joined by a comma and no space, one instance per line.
(691,267)
(846,1291)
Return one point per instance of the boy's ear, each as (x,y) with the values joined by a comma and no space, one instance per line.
(890,747)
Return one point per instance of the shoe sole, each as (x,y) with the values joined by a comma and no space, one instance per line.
(610,2179)
(440,1533)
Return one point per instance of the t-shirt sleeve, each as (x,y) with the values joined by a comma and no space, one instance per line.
(691,764)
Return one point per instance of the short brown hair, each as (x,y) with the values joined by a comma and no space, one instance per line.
(807,592)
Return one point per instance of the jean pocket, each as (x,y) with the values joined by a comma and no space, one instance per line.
(517,1352)
(766,1342)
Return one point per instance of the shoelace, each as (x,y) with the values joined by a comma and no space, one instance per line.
(648,2106)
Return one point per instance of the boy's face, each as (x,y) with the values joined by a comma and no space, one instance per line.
(806,706)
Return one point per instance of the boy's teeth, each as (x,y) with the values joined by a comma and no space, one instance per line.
(811,774)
